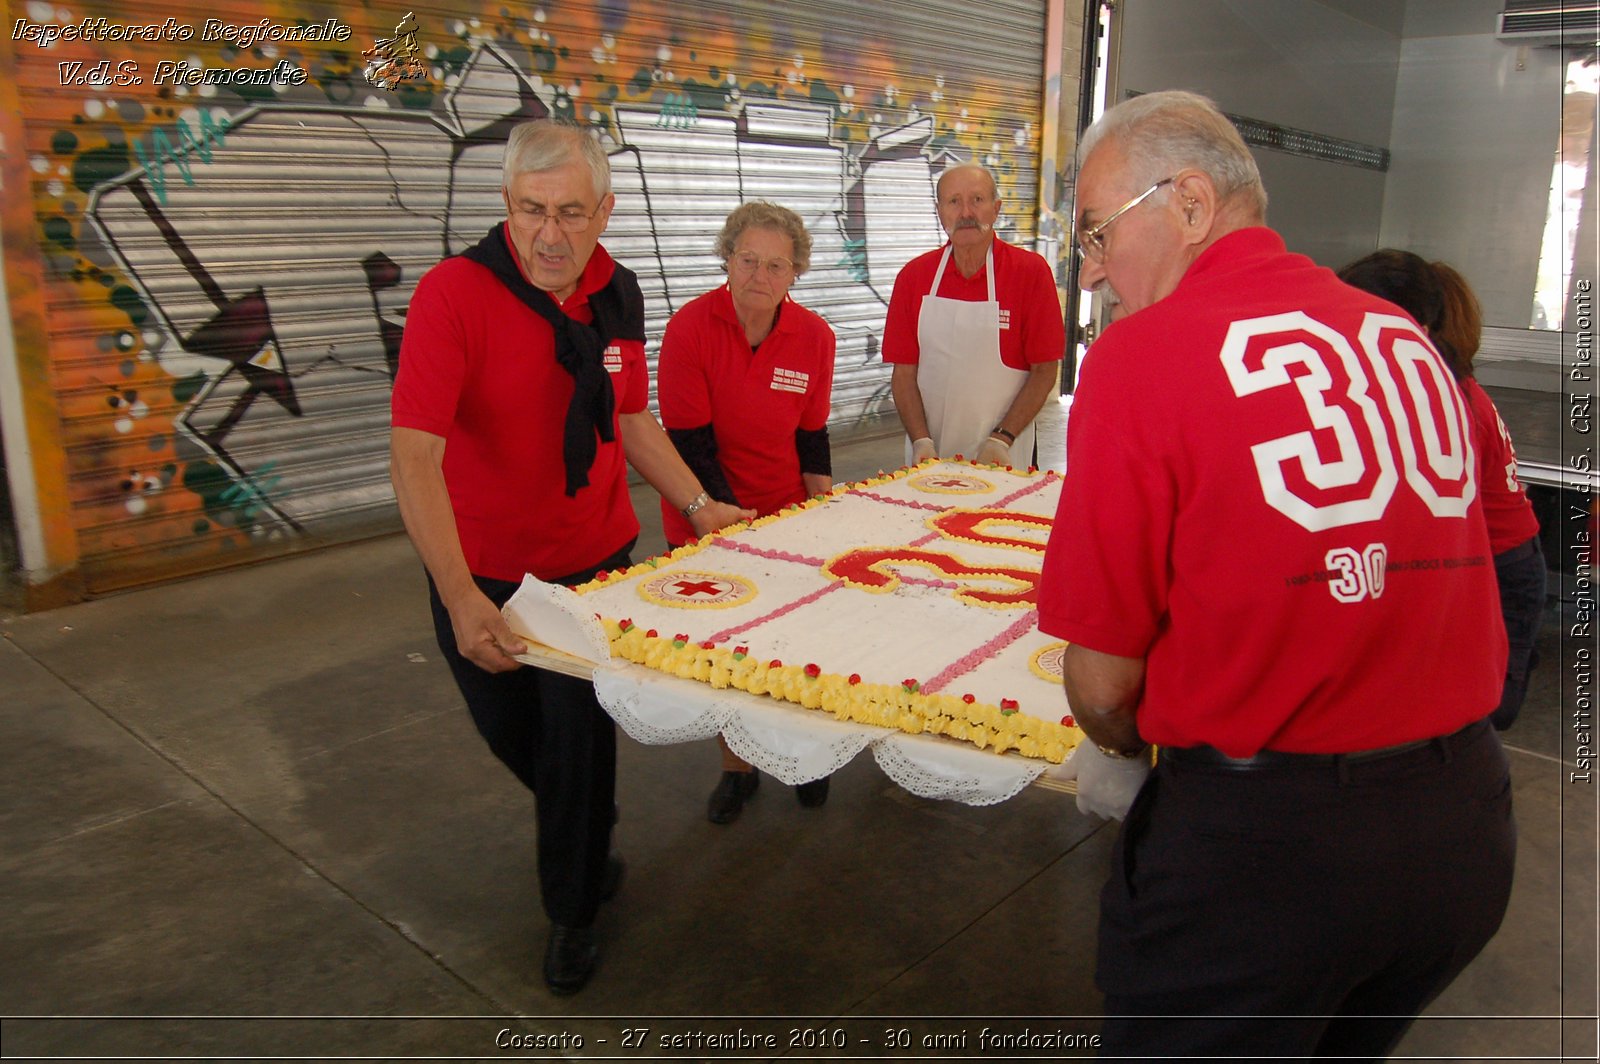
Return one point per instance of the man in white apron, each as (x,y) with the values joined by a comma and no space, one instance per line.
(974,332)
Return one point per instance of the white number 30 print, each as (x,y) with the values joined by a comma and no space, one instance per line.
(1355,483)
(1360,574)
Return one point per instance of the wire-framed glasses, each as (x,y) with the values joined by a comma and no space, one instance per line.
(748,262)
(1092,241)
(567,218)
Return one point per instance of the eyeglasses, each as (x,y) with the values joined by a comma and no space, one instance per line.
(534,219)
(749,262)
(1092,241)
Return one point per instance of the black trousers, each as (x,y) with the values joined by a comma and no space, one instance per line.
(550,731)
(1311,910)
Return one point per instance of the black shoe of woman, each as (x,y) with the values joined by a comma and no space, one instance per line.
(812,794)
(733,790)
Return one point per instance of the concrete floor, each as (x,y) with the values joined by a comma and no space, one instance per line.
(246,815)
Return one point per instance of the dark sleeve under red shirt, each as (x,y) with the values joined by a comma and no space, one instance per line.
(478,368)
(753,400)
(1200,425)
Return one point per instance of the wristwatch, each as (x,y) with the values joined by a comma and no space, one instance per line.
(1123,755)
(1010,437)
(698,503)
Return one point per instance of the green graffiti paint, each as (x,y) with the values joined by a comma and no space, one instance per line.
(212,130)
(58,230)
(820,93)
(130,303)
(98,165)
(186,388)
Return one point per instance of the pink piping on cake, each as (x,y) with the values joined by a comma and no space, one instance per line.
(908,503)
(1026,489)
(728,633)
(774,555)
(969,661)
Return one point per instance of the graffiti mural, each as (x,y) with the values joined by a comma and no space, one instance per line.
(241,255)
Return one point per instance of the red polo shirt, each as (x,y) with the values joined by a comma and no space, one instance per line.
(1032,327)
(1264,500)
(478,368)
(753,400)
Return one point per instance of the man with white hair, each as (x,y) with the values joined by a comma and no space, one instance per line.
(974,348)
(1270,563)
(522,382)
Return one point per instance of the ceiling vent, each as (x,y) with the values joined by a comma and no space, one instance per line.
(1549,22)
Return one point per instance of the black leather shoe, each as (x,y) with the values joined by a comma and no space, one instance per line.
(569,958)
(611,879)
(733,790)
(812,794)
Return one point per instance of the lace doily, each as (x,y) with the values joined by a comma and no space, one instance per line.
(657,710)
(795,745)
(929,768)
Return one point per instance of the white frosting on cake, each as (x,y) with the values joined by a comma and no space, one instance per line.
(959,619)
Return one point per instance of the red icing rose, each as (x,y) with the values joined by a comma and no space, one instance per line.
(1068,721)
(651,633)
(855,677)
(774,664)
(708,645)
(625,624)
(813,672)
(968,699)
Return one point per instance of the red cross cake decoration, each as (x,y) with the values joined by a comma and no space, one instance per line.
(1046,662)
(950,484)
(688,589)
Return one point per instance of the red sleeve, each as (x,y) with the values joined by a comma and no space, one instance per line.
(433,360)
(1044,329)
(681,387)
(1104,581)
(820,395)
(633,391)
(900,325)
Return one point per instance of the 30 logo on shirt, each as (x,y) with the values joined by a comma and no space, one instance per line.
(790,380)
(612,359)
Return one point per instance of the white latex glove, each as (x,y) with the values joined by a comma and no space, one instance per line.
(922,450)
(993,452)
(1106,785)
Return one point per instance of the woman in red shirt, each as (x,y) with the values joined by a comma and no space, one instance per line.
(1442,302)
(744,381)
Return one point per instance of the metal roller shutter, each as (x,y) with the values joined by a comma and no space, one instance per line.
(227,267)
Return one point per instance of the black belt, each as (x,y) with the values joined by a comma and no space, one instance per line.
(1526,549)
(1265,760)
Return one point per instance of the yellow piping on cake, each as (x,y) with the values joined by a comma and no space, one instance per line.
(901,706)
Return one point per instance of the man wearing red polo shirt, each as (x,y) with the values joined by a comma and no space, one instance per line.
(522,383)
(1271,563)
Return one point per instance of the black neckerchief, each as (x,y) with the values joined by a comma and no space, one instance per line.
(618,315)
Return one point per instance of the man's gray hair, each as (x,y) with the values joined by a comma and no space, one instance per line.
(548,143)
(938,186)
(763,215)
(1161,133)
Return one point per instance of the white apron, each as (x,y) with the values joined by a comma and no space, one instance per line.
(965,387)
